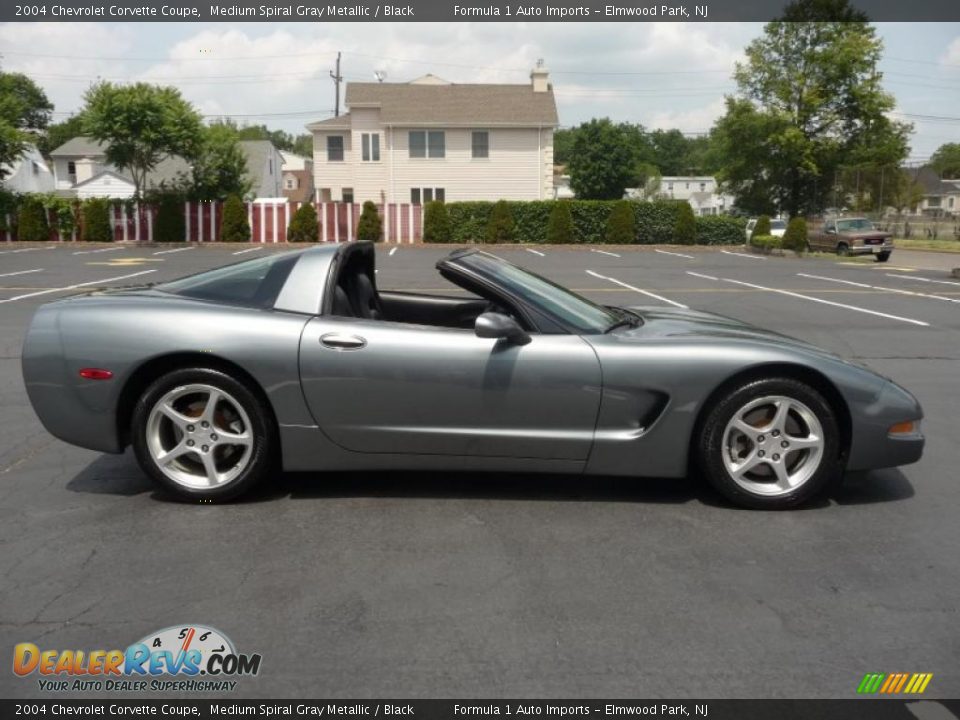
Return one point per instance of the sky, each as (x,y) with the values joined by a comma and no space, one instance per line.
(663,75)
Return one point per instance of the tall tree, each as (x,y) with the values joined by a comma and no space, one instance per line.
(24,112)
(811,82)
(58,133)
(220,167)
(946,160)
(140,125)
(603,163)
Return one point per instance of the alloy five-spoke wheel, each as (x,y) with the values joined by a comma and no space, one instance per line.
(771,443)
(202,434)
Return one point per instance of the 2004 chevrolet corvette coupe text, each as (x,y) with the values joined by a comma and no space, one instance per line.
(298,358)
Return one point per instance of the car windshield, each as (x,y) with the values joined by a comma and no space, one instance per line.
(578,312)
(778,225)
(854,224)
(252,283)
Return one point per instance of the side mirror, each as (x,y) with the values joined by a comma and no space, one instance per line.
(498,326)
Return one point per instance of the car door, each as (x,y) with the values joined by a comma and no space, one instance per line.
(386,387)
(826,237)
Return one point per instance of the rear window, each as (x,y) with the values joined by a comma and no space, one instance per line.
(253,283)
(778,225)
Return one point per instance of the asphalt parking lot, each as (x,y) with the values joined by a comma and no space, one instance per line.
(453,585)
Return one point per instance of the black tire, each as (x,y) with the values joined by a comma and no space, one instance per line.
(711,446)
(263,433)
(883,257)
(843,250)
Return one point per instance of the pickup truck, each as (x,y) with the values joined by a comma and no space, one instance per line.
(852,236)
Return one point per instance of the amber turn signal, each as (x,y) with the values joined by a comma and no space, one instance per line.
(904,428)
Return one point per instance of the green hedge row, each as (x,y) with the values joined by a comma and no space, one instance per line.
(654,222)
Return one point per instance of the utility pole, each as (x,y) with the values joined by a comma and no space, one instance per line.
(337,79)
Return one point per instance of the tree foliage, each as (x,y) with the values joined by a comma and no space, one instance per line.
(32,225)
(946,160)
(370,227)
(436,223)
(811,102)
(560,225)
(303,225)
(500,226)
(762,227)
(603,161)
(685,231)
(24,113)
(140,125)
(795,237)
(95,223)
(170,225)
(235,227)
(57,134)
(620,226)
(220,168)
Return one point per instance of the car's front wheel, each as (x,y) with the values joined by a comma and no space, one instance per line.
(771,444)
(843,250)
(882,257)
(202,435)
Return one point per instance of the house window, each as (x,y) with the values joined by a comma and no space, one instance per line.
(933,202)
(348,195)
(370,143)
(950,203)
(425,144)
(670,187)
(481,144)
(291,183)
(71,168)
(334,148)
(703,187)
(688,186)
(425,195)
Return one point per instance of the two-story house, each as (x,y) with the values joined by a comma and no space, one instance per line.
(430,139)
(81,170)
(702,192)
(297,177)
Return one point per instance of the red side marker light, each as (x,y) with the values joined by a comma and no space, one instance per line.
(95,374)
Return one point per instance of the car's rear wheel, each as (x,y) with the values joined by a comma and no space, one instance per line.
(843,250)
(882,257)
(202,435)
(771,444)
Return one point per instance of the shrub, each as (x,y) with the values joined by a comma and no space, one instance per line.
(762,227)
(720,230)
(303,225)
(32,225)
(500,226)
(560,224)
(235,227)
(795,238)
(620,224)
(765,243)
(170,225)
(685,230)
(95,225)
(370,226)
(436,223)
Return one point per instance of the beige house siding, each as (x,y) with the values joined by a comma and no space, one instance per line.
(519,166)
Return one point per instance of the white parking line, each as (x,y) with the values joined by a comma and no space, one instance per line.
(167,252)
(921,279)
(899,291)
(827,302)
(238,252)
(392,251)
(74,287)
(94,252)
(535,252)
(604,252)
(701,275)
(667,252)
(13,252)
(21,272)
(744,255)
(636,289)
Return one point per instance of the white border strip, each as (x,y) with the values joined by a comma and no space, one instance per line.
(701,275)
(175,250)
(603,252)
(21,272)
(535,252)
(253,249)
(883,288)
(744,255)
(667,252)
(636,289)
(74,287)
(921,279)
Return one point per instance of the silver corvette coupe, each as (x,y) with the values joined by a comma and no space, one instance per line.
(298,361)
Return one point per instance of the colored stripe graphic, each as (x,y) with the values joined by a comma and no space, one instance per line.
(894,683)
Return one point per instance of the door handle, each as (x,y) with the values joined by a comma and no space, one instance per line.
(342,341)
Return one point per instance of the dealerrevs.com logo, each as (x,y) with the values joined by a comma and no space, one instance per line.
(182,658)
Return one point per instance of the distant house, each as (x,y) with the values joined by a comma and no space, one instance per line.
(430,139)
(81,170)
(702,192)
(297,177)
(941,198)
(29,173)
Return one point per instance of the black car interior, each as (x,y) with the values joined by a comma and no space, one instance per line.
(355,295)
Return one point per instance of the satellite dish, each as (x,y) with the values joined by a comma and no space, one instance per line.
(380,75)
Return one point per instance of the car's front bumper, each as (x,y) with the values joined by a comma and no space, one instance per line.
(872,445)
(871,249)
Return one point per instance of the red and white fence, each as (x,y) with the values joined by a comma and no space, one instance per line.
(269,220)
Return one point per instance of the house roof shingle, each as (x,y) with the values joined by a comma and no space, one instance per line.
(78,146)
(334,123)
(454,104)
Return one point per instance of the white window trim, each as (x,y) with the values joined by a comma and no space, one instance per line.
(426,147)
(365,140)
